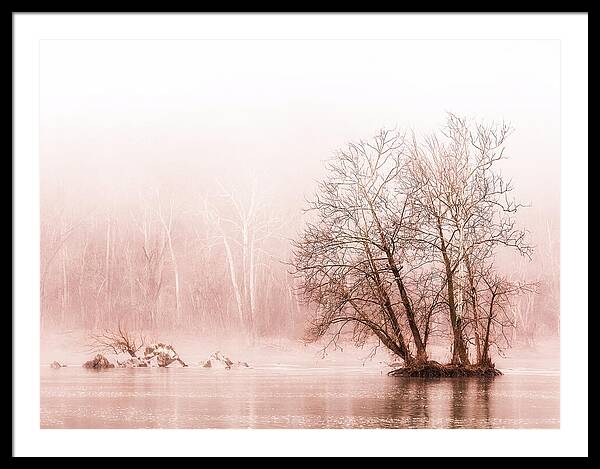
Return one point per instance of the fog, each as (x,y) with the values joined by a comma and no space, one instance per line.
(137,135)
(189,111)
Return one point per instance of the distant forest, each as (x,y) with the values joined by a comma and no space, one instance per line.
(216,259)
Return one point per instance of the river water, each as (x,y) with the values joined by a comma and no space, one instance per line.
(294,397)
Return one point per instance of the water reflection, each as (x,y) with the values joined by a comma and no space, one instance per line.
(407,401)
(470,402)
(196,398)
(484,391)
(450,402)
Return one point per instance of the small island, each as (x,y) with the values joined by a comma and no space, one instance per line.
(402,242)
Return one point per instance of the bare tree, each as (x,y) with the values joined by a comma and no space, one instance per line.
(167,224)
(465,211)
(349,261)
(126,261)
(117,341)
(56,230)
(243,224)
(548,310)
(150,263)
(496,301)
(404,230)
(525,305)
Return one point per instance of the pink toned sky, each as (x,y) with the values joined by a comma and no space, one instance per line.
(115,114)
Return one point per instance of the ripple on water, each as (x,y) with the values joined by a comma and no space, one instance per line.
(275,397)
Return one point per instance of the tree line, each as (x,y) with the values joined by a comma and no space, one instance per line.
(398,245)
(208,263)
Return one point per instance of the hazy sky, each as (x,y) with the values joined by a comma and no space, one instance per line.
(183,112)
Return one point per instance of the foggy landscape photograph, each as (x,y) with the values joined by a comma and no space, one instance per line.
(299,234)
(336,233)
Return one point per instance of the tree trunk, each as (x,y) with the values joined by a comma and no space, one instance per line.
(473,303)
(245,271)
(65,288)
(388,309)
(397,348)
(459,349)
(234,282)
(420,344)
(82,302)
(485,356)
(252,287)
(107,268)
(176,273)
(421,352)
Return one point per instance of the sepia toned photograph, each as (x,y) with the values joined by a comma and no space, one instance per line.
(299,234)
(295,233)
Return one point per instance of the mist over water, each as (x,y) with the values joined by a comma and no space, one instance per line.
(174,175)
(291,386)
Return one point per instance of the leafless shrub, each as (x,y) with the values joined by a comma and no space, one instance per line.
(117,341)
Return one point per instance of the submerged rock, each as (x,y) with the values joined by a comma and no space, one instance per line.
(56,365)
(98,362)
(220,361)
(162,355)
